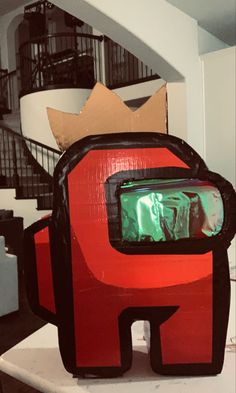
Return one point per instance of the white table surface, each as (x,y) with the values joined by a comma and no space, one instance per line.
(36,362)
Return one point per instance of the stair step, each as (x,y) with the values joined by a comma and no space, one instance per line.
(9,154)
(20,167)
(9,163)
(7,147)
(44,202)
(9,172)
(35,178)
(13,115)
(32,190)
(3,181)
(23,179)
(12,120)
(30,183)
(4,110)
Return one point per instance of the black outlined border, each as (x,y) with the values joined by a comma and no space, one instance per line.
(59,228)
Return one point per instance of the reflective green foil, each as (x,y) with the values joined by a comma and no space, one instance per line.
(161,210)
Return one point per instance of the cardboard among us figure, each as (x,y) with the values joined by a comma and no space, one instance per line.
(139,231)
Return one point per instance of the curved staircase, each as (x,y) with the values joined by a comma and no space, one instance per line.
(27,166)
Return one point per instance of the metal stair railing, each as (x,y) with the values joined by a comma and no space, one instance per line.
(27,166)
(60,60)
(123,68)
(78,60)
(9,100)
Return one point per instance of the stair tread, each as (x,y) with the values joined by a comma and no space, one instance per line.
(46,194)
(32,183)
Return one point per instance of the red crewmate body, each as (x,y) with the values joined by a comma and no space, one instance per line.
(100,289)
(121,281)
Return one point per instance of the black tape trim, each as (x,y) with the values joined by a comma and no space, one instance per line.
(30,271)
(221,304)
(61,255)
(182,246)
(128,140)
(156,316)
(62,271)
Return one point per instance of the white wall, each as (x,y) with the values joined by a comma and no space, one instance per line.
(174,55)
(219,69)
(25,208)
(177,110)
(12,45)
(34,120)
(208,42)
(139,90)
(6,38)
(219,98)
(176,96)
(35,123)
(160,35)
(9,299)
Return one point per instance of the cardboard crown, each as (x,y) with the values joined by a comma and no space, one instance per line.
(104,112)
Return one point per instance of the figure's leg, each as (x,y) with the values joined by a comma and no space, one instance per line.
(186,338)
(97,340)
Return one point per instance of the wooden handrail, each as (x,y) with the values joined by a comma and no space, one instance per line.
(45,37)
(27,166)
(60,59)
(24,138)
(74,60)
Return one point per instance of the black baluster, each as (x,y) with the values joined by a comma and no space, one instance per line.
(15,172)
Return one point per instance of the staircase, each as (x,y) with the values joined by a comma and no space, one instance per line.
(27,166)
(8,100)
(12,121)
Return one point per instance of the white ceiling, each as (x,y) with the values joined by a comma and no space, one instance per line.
(216,16)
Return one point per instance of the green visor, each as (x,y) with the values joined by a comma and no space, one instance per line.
(164,210)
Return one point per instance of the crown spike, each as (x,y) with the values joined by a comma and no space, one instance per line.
(105,112)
